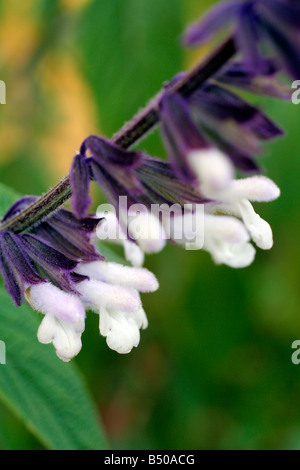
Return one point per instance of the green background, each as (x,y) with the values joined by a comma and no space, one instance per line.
(213,369)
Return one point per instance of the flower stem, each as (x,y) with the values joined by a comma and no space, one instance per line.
(129,135)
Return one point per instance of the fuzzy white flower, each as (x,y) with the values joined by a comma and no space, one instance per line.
(113,291)
(213,169)
(109,229)
(63,323)
(65,336)
(235,200)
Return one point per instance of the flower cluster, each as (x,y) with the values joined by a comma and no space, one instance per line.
(62,274)
(209,135)
(256,25)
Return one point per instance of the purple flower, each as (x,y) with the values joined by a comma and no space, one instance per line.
(213,118)
(50,252)
(256,24)
(240,75)
(119,172)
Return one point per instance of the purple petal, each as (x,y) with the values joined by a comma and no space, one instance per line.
(19,206)
(179,133)
(17,257)
(70,222)
(217,18)
(74,245)
(163,185)
(285,46)
(240,75)
(45,255)
(287,13)
(80,182)
(112,188)
(104,150)
(247,37)
(223,104)
(264,128)
(12,282)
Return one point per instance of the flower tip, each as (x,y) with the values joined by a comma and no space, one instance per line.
(212,168)
(257,188)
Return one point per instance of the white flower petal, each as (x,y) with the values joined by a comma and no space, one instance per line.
(146,229)
(113,273)
(141,318)
(259,229)
(97,294)
(235,255)
(213,169)
(255,188)
(133,254)
(225,228)
(121,331)
(65,336)
(49,299)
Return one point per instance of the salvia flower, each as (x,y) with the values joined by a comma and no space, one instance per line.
(109,289)
(137,179)
(256,24)
(61,273)
(50,252)
(214,118)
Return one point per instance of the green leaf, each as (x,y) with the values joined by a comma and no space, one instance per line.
(129,48)
(48,395)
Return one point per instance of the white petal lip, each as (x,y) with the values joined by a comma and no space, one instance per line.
(98,294)
(255,189)
(234,255)
(213,169)
(49,299)
(133,254)
(259,229)
(65,336)
(225,228)
(113,273)
(121,331)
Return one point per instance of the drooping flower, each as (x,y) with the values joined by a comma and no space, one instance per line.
(50,252)
(213,121)
(138,180)
(256,24)
(231,223)
(59,270)
(109,289)
(112,291)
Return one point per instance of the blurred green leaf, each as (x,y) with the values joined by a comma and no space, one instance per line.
(128,50)
(48,395)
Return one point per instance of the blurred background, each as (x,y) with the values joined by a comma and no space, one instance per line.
(213,370)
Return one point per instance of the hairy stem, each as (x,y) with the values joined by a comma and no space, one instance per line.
(129,135)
